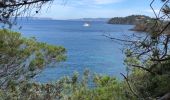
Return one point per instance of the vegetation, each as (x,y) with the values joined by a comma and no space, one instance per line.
(143,26)
(11,9)
(69,88)
(130,20)
(147,58)
(147,61)
(141,23)
(21,58)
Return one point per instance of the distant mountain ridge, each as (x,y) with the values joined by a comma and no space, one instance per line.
(80,19)
(91,19)
(35,18)
(130,20)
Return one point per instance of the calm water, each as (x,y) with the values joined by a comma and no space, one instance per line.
(86,47)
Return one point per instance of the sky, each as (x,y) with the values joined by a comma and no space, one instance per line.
(75,9)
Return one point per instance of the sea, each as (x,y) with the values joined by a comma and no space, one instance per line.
(87,47)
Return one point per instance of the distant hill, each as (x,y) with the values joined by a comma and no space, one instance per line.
(91,19)
(34,18)
(130,20)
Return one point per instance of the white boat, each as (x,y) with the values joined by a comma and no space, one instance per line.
(86,25)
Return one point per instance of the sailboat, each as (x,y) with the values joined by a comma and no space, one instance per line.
(86,24)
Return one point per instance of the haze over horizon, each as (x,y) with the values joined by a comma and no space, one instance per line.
(76,9)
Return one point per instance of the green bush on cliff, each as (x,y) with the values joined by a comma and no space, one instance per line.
(21,58)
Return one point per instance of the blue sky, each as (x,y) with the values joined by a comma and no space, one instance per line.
(73,9)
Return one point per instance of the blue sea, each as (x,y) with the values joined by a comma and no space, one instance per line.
(87,48)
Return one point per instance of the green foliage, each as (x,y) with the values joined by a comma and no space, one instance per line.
(105,88)
(33,91)
(145,84)
(70,88)
(23,58)
(130,20)
(147,77)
